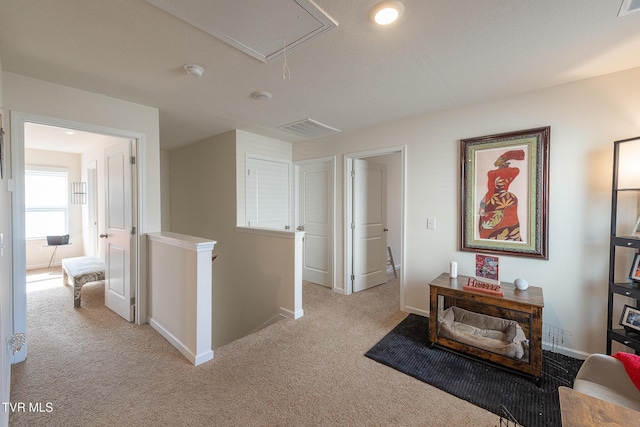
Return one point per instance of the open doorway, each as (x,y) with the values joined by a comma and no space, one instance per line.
(77,150)
(374,217)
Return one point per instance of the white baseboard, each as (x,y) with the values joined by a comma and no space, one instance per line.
(274,319)
(415,310)
(566,351)
(290,314)
(196,359)
(40,266)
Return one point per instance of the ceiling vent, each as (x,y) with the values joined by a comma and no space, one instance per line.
(629,6)
(262,29)
(309,128)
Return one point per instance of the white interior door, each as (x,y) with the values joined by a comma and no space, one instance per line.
(369,224)
(316,218)
(118,230)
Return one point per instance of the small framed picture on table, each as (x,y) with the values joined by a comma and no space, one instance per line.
(488,268)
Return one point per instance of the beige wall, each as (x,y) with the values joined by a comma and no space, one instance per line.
(585,118)
(165,185)
(39,255)
(249,274)
(203,197)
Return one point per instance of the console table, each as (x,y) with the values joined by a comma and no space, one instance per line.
(525,307)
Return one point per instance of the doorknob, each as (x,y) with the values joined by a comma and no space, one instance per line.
(104,236)
(386,229)
(300,228)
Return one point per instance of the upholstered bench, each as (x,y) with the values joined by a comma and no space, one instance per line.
(79,271)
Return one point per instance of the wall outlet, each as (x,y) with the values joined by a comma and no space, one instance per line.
(38,248)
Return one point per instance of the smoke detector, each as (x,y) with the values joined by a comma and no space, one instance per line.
(194,70)
(261,95)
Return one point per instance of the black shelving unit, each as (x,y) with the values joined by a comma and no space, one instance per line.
(618,244)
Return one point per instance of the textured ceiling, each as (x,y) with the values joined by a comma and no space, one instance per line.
(441,55)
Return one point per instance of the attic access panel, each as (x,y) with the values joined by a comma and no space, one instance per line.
(258,28)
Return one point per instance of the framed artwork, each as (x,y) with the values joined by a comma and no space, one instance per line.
(488,268)
(634,274)
(630,318)
(505,190)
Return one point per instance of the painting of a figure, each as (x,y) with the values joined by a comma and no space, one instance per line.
(504,193)
(499,206)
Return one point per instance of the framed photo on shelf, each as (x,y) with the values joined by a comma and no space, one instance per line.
(634,274)
(636,229)
(505,190)
(630,318)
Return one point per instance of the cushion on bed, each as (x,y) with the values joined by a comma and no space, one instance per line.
(501,336)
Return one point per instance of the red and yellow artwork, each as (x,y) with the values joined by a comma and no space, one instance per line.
(498,210)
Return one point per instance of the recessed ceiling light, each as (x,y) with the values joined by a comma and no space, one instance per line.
(261,95)
(386,12)
(194,69)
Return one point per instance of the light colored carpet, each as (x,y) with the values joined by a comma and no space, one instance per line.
(96,369)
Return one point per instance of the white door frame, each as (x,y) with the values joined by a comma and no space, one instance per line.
(16,185)
(348,210)
(332,212)
(92,208)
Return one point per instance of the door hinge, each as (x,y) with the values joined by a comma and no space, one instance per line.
(353,277)
(353,225)
(353,173)
(133,160)
(133,230)
(133,301)
(248,172)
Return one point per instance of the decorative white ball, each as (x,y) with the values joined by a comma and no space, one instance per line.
(521,284)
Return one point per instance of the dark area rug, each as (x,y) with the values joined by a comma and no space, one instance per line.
(407,349)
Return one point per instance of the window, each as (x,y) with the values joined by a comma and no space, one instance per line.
(46,202)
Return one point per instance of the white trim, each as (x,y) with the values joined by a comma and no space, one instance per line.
(273,320)
(19,243)
(196,359)
(348,208)
(418,311)
(290,314)
(284,234)
(18,120)
(183,241)
(576,354)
